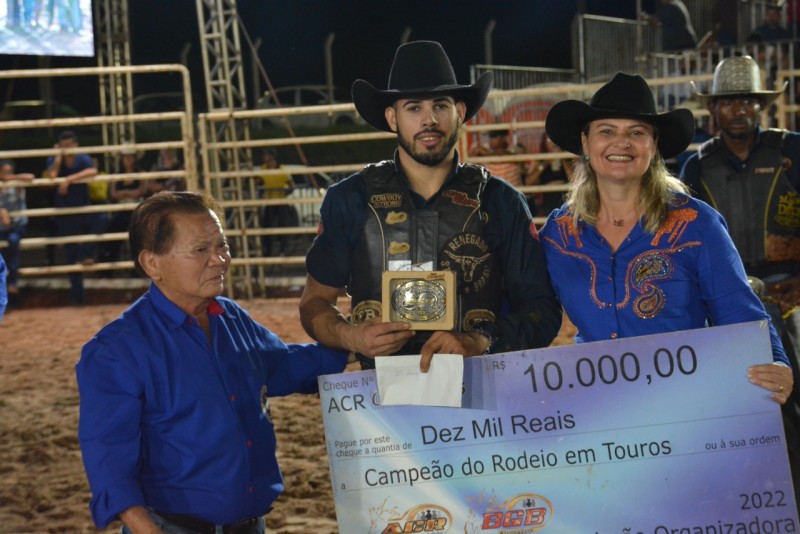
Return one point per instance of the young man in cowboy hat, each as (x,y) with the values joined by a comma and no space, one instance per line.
(751,175)
(425,211)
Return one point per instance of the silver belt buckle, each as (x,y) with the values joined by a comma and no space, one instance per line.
(426,299)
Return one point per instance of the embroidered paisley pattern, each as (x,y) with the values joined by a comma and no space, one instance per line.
(645,271)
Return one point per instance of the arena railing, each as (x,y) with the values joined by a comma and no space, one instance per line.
(520,111)
(34,159)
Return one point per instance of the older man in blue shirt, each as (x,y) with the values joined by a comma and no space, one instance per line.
(175,423)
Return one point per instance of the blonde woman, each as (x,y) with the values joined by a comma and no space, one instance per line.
(630,253)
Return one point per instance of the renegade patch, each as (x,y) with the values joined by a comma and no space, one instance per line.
(467,255)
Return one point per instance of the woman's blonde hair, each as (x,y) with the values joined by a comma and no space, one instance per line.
(657,193)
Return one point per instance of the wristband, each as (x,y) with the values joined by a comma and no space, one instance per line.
(489,331)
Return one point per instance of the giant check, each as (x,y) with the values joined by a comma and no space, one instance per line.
(660,434)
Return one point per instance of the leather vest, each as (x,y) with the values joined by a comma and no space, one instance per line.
(447,235)
(760,206)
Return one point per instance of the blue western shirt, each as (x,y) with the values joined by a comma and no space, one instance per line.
(171,421)
(685,276)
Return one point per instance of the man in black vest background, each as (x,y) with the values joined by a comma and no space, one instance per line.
(752,176)
(426,211)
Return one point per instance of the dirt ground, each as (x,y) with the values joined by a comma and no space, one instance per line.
(43,488)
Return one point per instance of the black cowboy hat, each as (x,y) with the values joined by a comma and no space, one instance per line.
(420,68)
(626,97)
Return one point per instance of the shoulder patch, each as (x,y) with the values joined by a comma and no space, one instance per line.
(460,198)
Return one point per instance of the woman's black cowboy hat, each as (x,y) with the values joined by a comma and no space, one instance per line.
(420,68)
(624,97)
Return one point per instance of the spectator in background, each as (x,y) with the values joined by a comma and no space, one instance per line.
(12,228)
(771,30)
(512,172)
(552,172)
(73,192)
(98,189)
(751,176)
(168,161)
(276,186)
(677,32)
(126,191)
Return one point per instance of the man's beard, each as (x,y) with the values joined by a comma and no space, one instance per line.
(431,159)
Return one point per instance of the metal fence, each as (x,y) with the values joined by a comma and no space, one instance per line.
(603,45)
(520,77)
(256,268)
(39,136)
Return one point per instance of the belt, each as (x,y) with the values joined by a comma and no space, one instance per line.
(201,526)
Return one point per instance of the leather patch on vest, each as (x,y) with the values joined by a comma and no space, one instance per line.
(395,217)
(366,310)
(467,254)
(398,248)
(788,213)
(473,317)
(459,198)
(786,246)
(764,170)
(388,200)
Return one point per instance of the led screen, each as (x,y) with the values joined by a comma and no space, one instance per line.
(46,27)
